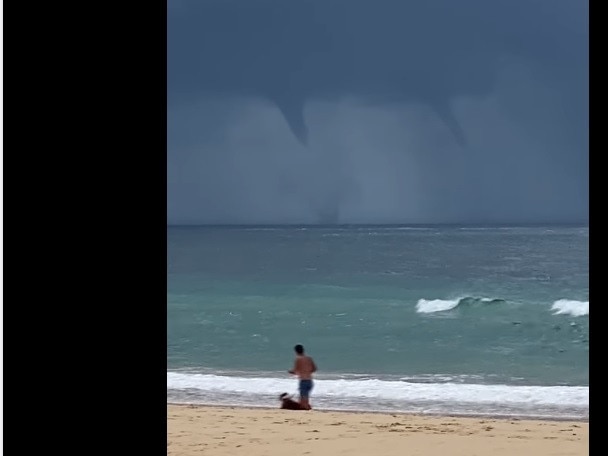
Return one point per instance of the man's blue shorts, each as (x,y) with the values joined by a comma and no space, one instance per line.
(305,388)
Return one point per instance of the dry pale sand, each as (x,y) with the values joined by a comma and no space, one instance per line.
(203,430)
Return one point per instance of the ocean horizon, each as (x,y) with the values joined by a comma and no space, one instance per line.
(466,319)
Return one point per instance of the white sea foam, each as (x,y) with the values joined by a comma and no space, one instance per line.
(512,396)
(435,305)
(570,307)
(441,305)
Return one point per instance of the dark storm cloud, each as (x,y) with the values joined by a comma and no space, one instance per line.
(404,111)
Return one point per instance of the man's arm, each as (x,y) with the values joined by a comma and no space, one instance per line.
(295,367)
(314,366)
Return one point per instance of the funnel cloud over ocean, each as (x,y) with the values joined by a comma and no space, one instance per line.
(373,112)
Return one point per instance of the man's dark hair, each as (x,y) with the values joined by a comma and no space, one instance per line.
(299,349)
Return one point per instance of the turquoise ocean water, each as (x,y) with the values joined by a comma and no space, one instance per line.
(436,319)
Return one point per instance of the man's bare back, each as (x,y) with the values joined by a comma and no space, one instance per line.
(304,367)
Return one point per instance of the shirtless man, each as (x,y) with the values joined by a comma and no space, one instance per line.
(303,367)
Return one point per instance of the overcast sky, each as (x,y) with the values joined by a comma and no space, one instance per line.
(377,111)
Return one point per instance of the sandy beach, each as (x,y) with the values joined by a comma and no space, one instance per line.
(206,430)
